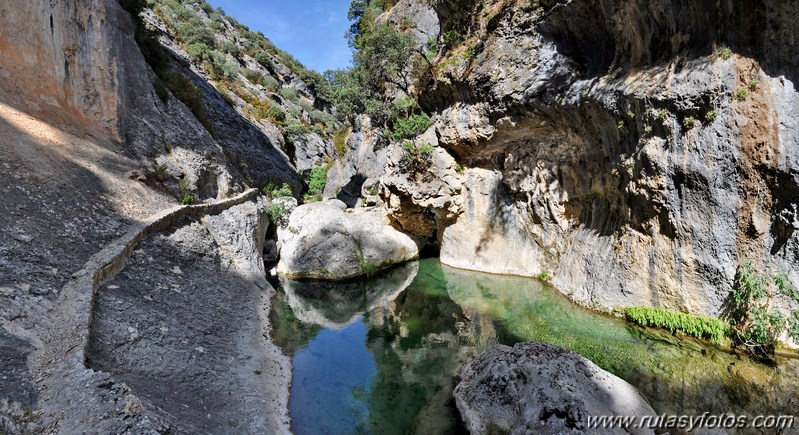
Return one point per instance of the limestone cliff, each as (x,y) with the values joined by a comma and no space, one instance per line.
(627,148)
(102,131)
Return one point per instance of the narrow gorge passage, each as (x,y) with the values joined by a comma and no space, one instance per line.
(398,216)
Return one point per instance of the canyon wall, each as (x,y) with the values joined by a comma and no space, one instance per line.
(93,150)
(628,150)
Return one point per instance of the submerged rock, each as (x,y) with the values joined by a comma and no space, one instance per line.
(322,241)
(543,389)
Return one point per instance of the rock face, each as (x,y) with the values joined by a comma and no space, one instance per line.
(633,162)
(91,147)
(356,174)
(322,241)
(476,232)
(543,389)
(189,301)
(423,204)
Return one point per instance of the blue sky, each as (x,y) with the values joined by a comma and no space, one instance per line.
(311,30)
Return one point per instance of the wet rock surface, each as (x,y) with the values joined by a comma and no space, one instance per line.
(543,389)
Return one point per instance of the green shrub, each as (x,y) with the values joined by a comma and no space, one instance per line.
(295,127)
(276,114)
(318,179)
(231,48)
(253,76)
(411,126)
(724,52)
(221,66)
(545,276)
(689,122)
(753,85)
(710,116)
(756,324)
(675,321)
(416,157)
(271,84)
(432,48)
(265,60)
(193,31)
(451,38)
(740,94)
(199,52)
(159,172)
(320,117)
(186,197)
(340,141)
(278,191)
(276,212)
(290,94)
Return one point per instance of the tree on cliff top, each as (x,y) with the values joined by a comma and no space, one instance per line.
(381,73)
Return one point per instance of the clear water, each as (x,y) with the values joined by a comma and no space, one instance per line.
(381,355)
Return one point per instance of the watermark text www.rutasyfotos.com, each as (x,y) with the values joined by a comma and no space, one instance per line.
(691,422)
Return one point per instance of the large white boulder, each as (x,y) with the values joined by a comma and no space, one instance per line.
(324,241)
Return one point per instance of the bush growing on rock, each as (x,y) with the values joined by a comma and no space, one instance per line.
(317,182)
(193,31)
(740,94)
(221,66)
(265,60)
(186,197)
(340,141)
(253,76)
(271,84)
(756,322)
(276,211)
(272,190)
(290,94)
(411,126)
(279,196)
(380,72)
(416,157)
(724,52)
(199,52)
(295,127)
(231,48)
